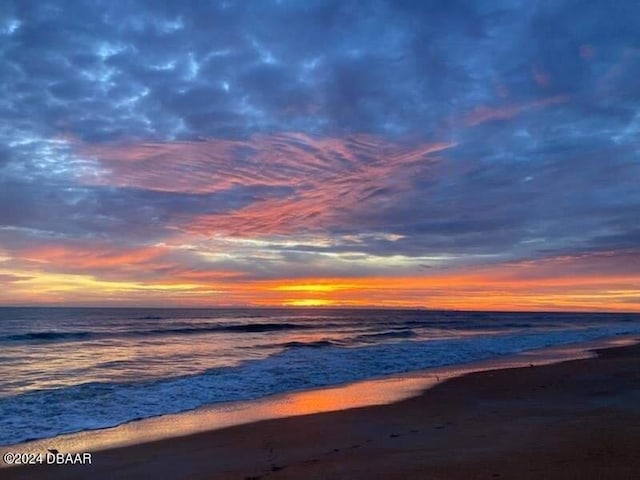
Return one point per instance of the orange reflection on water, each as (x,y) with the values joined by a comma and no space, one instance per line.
(365,393)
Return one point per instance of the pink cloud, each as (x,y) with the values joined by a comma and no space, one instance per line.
(324,175)
(487,114)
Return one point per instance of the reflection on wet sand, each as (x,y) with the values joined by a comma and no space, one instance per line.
(355,395)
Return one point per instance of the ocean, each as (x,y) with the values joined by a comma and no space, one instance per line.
(66,370)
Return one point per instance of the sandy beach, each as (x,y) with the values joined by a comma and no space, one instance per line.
(578,419)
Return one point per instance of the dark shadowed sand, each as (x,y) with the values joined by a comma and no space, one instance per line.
(574,420)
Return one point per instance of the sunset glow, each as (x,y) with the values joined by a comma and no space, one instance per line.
(451,164)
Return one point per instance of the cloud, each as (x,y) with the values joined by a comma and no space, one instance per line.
(10,278)
(316,177)
(487,114)
(263,141)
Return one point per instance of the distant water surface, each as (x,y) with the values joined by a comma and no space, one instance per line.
(70,369)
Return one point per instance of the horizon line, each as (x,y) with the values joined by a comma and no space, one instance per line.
(318,307)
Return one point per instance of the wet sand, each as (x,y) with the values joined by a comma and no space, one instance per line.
(574,420)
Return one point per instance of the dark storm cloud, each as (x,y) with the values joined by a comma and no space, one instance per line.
(538,103)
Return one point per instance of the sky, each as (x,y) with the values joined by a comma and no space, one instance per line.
(435,154)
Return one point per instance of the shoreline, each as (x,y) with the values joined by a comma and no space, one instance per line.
(381,390)
(382,393)
(574,419)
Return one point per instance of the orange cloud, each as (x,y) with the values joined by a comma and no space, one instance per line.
(476,292)
(155,264)
(92,257)
(571,282)
(487,290)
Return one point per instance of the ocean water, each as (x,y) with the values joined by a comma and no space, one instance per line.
(65,370)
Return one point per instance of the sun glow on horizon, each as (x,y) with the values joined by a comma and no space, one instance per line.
(527,287)
(320,287)
(265,172)
(308,302)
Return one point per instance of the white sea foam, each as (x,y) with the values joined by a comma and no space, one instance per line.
(255,362)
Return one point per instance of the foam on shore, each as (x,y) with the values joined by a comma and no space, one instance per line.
(353,395)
